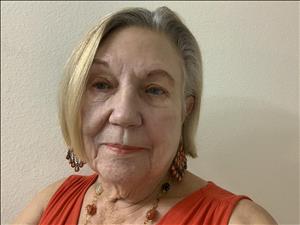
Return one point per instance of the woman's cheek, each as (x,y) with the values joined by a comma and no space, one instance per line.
(165,133)
(93,119)
(167,124)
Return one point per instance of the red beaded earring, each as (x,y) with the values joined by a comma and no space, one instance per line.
(179,165)
(74,161)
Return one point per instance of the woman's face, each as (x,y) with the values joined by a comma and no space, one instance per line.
(132,112)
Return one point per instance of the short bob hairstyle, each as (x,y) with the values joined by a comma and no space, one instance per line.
(76,72)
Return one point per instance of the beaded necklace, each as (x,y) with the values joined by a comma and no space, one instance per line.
(91,209)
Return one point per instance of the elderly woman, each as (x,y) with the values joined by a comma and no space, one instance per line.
(129,109)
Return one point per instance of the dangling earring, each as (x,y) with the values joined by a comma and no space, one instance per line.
(74,161)
(179,165)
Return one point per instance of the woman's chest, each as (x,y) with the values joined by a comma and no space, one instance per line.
(111,215)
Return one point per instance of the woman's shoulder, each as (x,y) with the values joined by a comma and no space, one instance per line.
(190,184)
(33,211)
(46,193)
(249,212)
(245,211)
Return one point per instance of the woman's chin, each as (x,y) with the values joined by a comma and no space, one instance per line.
(120,171)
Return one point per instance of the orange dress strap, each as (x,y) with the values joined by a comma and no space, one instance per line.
(208,205)
(65,205)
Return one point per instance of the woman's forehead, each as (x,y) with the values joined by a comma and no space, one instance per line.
(142,50)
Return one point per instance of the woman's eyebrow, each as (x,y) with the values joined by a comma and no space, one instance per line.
(163,73)
(98,61)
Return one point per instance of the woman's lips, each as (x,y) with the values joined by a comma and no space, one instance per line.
(124,149)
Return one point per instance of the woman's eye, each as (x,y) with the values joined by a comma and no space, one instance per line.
(155,91)
(102,86)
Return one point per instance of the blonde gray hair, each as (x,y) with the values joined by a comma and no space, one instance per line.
(77,68)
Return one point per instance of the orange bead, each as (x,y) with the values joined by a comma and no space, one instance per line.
(151,214)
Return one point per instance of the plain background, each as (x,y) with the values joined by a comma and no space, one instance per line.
(248,136)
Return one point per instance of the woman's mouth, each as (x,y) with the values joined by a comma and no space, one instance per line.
(124,149)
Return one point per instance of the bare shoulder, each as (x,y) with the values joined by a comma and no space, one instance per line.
(188,185)
(33,211)
(248,212)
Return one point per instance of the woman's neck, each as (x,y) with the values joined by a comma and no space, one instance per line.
(128,204)
(130,192)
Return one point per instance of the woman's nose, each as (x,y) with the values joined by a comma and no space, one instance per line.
(125,109)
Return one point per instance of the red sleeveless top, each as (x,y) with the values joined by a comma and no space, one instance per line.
(208,205)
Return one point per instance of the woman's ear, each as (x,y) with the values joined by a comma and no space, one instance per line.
(189,105)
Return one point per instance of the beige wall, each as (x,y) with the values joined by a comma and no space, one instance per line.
(248,136)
